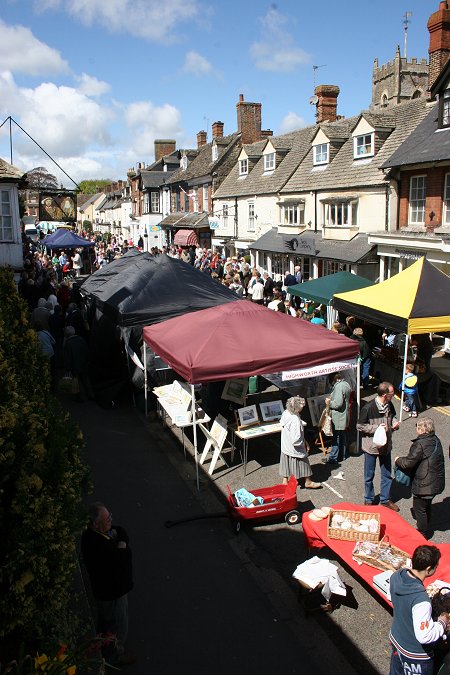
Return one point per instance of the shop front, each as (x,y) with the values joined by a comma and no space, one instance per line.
(187,229)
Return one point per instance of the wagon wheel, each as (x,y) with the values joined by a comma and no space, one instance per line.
(292,518)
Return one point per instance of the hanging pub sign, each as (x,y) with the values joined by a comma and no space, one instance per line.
(60,206)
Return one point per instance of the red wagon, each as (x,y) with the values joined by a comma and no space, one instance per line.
(278,500)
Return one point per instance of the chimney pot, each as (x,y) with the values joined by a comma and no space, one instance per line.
(201,138)
(241,97)
(217,130)
(327,103)
(439,50)
(248,121)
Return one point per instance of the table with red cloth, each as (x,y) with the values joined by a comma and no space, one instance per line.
(392,526)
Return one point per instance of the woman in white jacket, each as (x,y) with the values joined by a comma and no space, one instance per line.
(294,457)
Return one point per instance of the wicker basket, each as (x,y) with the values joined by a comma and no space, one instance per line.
(353,534)
(383,557)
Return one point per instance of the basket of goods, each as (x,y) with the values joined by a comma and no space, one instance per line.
(353,526)
(381,555)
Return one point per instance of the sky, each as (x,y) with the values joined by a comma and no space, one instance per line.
(95,82)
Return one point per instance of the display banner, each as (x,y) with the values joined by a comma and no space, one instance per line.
(315,371)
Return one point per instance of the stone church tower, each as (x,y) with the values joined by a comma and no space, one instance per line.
(401,80)
(398,81)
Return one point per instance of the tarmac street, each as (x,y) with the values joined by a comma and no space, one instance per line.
(199,604)
(208,600)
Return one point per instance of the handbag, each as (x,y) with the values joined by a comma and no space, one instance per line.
(402,478)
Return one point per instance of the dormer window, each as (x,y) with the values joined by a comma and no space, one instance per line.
(215,153)
(184,163)
(243,167)
(269,162)
(446,108)
(363,146)
(321,153)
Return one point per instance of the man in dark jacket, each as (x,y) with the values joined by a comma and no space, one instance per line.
(268,288)
(379,412)
(107,556)
(425,464)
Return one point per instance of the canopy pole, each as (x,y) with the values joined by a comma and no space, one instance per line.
(358,399)
(405,359)
(194,429)
(145,376)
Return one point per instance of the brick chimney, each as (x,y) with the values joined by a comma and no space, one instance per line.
(439,49)
(217,130)
(327,104)
(201,139)
(164,147)
(248,120)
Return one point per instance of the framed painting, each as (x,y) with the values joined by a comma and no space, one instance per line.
(248,416)
(316,406)
(271,411)
(235,390)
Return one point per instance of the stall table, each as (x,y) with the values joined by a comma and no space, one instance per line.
(395,529)
(253,432)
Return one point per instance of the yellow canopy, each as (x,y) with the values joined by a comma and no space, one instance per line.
(416,300)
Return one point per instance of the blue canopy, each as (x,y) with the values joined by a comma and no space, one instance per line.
(65,239)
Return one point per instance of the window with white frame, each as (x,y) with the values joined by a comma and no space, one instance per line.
(146,203)
(269,162)
(343,213)
(447,200)
(321,153)
(155,202)
(243,167)
(363,145)
(293,214)
(251,217)
(417,195)
(215,153)
(445,119)
(205,198)
(225,215)
(6,229)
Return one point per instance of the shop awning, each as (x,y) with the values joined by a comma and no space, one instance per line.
(185,238)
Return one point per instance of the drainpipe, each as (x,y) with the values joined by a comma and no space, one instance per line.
(315,211)
(235,218)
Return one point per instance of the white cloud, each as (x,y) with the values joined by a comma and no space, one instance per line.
(63,120)
(291,122)
(197,64)
(21,52)
(276,51)
(148,122)
(149,19)
(90,86)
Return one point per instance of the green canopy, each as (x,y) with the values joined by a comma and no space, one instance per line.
(323,289)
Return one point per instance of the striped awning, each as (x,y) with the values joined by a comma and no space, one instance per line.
(185,238)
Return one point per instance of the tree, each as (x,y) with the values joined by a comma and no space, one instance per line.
(39,178)
(92,186)
(42,480)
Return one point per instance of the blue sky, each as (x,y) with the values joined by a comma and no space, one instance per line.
(96,81)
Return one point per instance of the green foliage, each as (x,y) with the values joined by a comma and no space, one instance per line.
(91,187)
(87,225)
(42,480)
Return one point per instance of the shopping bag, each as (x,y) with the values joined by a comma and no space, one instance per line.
(380,437)
(402,478)
(66,383)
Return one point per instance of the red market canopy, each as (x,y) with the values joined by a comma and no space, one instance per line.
(239,339)
(185,238)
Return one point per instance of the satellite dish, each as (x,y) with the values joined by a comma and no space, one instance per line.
(314,100)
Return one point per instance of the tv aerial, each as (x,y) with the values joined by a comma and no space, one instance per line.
(315,69)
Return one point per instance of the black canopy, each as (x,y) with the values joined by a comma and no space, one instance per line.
(139,289)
